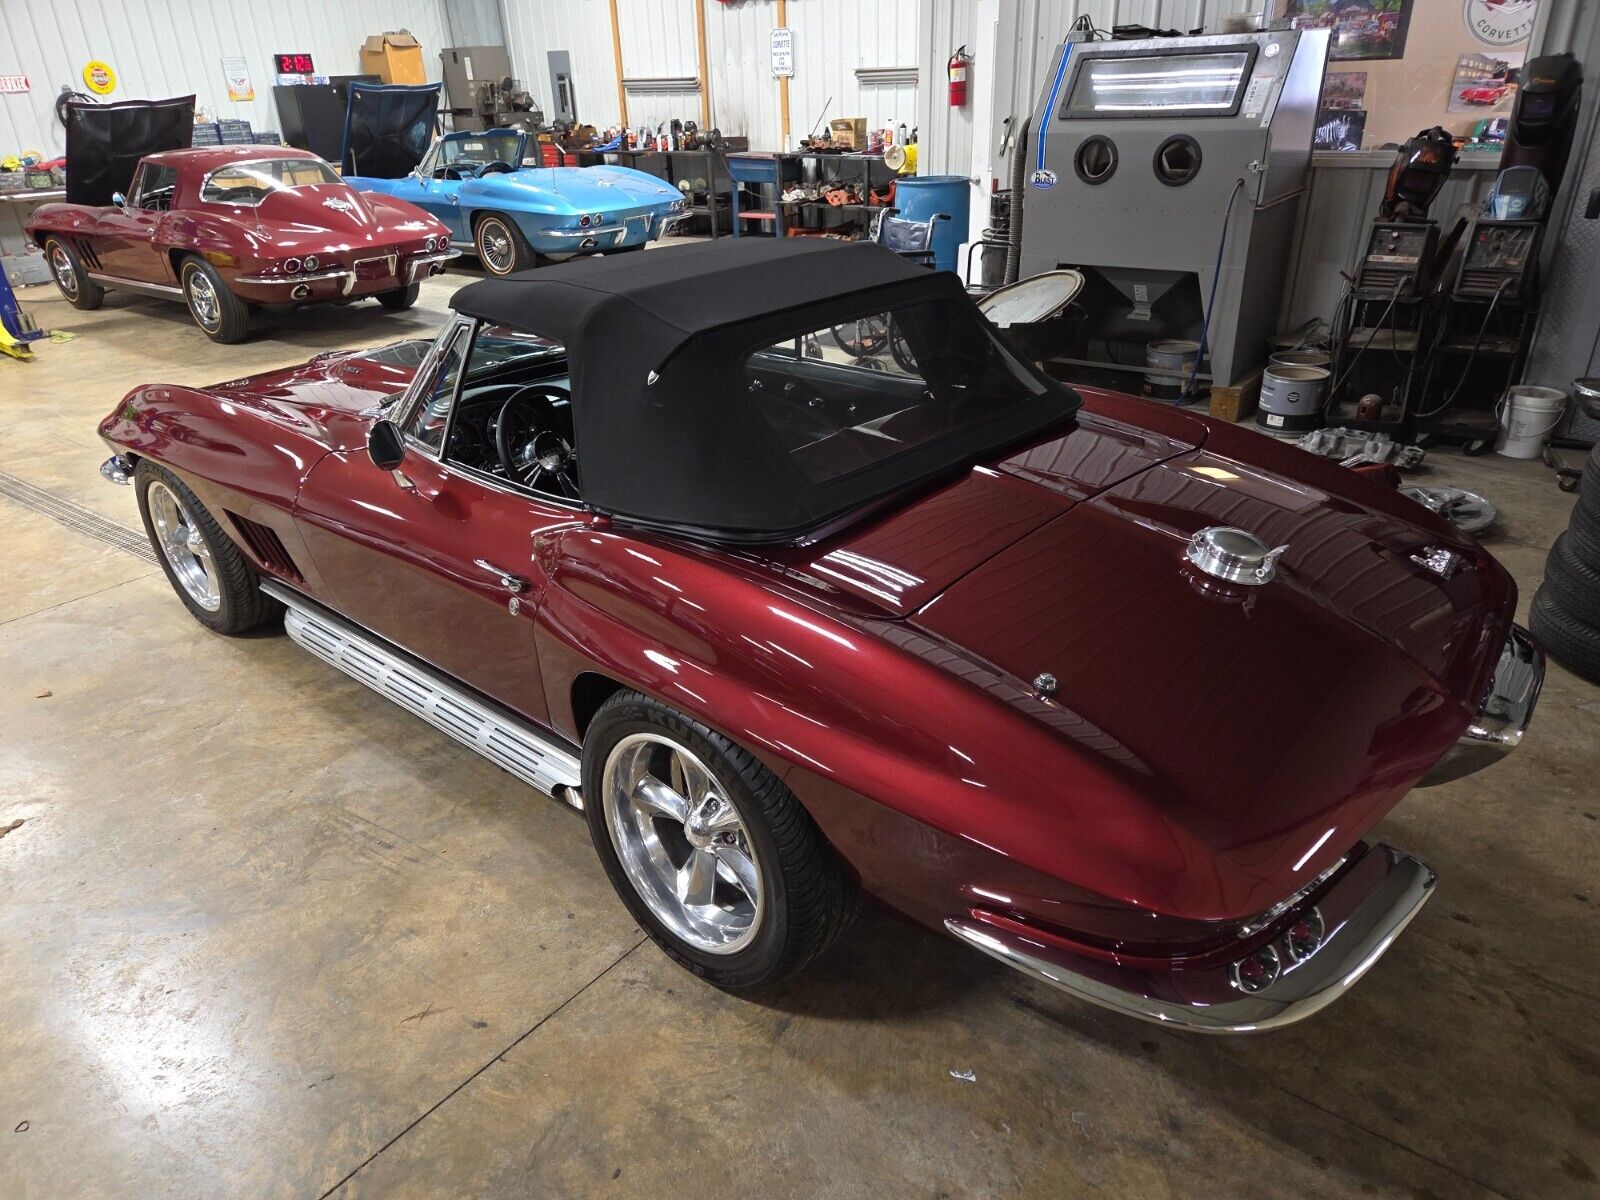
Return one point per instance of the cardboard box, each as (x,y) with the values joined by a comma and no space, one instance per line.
(394,57)
(849,132)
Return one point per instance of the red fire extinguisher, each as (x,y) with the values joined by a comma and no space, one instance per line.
(957,67)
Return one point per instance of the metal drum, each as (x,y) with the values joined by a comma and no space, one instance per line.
(1171,362)
(1291,398)
(1300,358)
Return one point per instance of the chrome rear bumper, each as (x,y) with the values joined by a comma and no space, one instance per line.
(1354,920)
(1503,716)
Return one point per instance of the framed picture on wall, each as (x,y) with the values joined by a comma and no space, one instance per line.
(1360,29)
(1485,82)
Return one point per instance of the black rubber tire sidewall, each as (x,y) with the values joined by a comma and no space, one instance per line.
(401,298)
(789,938)
(244,606)
(1570,641)
(1583,537)
(522,256)
(1573,584)
(1589,486)
(90,294)
(233,322)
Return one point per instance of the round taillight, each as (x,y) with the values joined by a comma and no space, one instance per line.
(584,222)
(427,242)
(311,262)
(292,266)
(1305,936)
(1258,972)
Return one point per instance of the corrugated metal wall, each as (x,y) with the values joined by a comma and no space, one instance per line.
(162,48)
(832,39)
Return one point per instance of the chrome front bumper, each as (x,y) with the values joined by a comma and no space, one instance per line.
(1285,979)
(1502,717)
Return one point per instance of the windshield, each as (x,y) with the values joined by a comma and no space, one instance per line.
(500,346)
(251,182)
(851,396)
(482,149)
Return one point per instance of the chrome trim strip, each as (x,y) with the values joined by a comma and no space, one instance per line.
(291,280)
(1504,715)
(515,746)
(1316,980)
(592,231)
(428,260)
(163,290)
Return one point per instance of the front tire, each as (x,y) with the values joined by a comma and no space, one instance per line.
(500,246)
(220,314)
(216,583)
(711,854)
(401,298)
(72,277)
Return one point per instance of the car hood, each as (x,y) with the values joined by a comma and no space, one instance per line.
(1274,724)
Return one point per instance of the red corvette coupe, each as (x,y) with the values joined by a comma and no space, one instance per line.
(1109,691)
(228,227)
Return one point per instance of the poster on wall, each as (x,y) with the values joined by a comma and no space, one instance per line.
(1346,90)
(1339,129)
(1485,83)
(1359,29)
(1500,22)
(237,72)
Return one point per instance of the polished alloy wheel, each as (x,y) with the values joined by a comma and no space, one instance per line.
(681,843)
(203,300)
(495,247)
(184,546)
(66,275)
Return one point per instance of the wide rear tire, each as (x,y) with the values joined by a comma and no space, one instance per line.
(739,886)
(401,298)
(221,315)
(1570,641)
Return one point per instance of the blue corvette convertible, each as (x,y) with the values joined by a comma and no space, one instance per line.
(511,213)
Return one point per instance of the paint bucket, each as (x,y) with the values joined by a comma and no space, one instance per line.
(1528,415)
(1171,362)
(1300,358)
(1291,398)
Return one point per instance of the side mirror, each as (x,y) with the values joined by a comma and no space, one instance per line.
(386,445)
(119,200)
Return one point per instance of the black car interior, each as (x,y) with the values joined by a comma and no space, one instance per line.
(513,418)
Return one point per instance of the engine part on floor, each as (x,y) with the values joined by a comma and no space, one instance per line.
(1292,398)
(1352,446)
(1467,511)
(1572,642)
(1135,146)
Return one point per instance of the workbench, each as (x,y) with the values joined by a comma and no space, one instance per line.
(776,170)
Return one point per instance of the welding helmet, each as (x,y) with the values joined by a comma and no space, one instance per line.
(1518,194)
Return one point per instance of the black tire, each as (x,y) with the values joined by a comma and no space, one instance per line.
(1583,536)
(242,605)
(226,319)
(73,283)
(491,229)
(401,298)
(1589,486)
(1571,642)
(1573,583)
(809,898)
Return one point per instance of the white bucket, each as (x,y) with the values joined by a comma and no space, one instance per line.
(1528,415)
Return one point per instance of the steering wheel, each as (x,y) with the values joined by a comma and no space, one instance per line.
(533,438)
(498,167)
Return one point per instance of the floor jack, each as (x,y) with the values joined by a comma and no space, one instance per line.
(17,328)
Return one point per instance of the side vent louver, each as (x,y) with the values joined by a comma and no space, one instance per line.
(266,547)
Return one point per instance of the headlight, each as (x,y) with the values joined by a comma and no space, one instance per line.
(311,262)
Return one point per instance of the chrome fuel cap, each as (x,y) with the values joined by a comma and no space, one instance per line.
(1234,555)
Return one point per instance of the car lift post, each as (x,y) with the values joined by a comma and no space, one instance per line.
(17,329)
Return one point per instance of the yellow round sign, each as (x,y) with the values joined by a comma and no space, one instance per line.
(99,78)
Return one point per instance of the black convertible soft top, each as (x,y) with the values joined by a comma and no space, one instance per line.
(657,343)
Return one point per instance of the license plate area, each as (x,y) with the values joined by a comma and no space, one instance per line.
(381,267)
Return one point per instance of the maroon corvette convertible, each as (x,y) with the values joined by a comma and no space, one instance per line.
(225,228)
(1109,691)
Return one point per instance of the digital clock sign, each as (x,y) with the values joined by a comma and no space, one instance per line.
(294,64)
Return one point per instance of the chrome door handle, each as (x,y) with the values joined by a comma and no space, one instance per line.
(515,584)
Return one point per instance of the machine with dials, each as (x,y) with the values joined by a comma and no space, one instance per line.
(1168,171)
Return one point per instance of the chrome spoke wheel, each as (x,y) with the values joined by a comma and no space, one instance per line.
(203,302)
(495,247)
(61,267)
(681,843)
(184,547)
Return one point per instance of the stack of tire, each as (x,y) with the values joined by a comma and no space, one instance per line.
(1566,609)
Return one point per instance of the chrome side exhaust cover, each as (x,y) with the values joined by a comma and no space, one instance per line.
(512,745)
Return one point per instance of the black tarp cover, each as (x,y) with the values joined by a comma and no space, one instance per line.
(684,451)
(106,141)
(388,128)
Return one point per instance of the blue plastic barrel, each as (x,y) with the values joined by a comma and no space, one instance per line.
(918,197)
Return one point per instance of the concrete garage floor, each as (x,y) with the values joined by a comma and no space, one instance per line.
(263,934)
